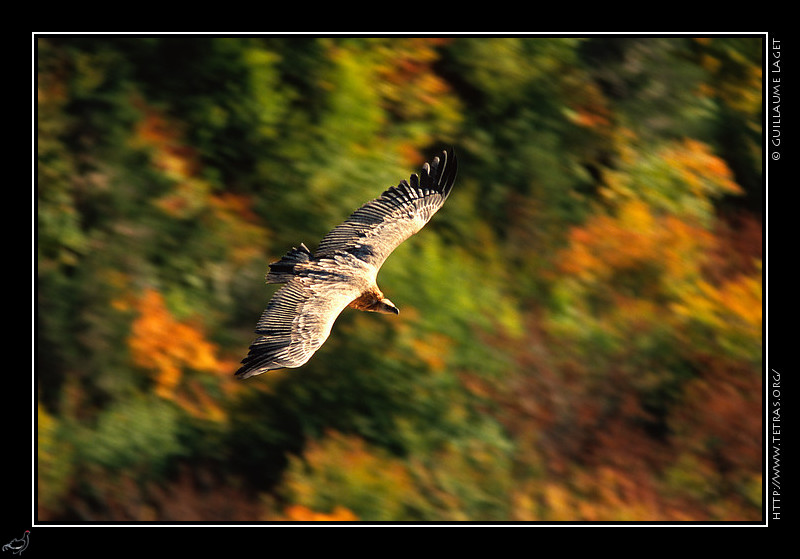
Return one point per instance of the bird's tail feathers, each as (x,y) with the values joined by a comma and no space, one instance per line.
(284,269)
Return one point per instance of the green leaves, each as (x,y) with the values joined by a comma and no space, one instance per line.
(139,434)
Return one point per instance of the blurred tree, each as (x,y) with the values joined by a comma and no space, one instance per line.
(138,436)
(54,461)
(340,471)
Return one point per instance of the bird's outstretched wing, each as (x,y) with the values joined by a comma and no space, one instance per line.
(296,322)
(374,230)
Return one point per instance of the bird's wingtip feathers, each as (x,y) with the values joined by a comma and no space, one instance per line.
(438,174)
(449,167)
(250,369)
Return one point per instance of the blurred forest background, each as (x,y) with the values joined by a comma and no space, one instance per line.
(580,328)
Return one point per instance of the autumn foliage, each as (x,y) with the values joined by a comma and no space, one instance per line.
(580,327)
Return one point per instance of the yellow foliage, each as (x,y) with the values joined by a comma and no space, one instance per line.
(734,80)
(680,179)
(601,494)
(343,471)
(558,501)
(739,299)
(645,268)
(166,346)
(733,312)
(702,170)
(433,350)
(406,81)
(635,238)
(54,467)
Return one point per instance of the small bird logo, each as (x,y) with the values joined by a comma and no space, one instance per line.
(17,546)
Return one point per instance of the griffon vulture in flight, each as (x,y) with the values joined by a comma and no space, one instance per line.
(342,271)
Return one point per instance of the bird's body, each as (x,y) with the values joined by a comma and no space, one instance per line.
(342,271)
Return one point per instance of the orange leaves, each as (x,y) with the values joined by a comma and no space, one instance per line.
(589,117)
(656,240)
(606,242)
(301,513)
(640,264)
(704,172)
(411,91)
(407,80)
(166,346)
(175,161)
(230,236)
(230,215)
(739,300)
(588,106)
(726,318)
(669,310)
(157,132)
(635,239)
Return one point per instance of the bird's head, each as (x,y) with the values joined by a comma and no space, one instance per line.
(385,306)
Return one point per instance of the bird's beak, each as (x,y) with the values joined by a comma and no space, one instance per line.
(388,307)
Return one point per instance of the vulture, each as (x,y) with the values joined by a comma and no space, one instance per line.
(342,271)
